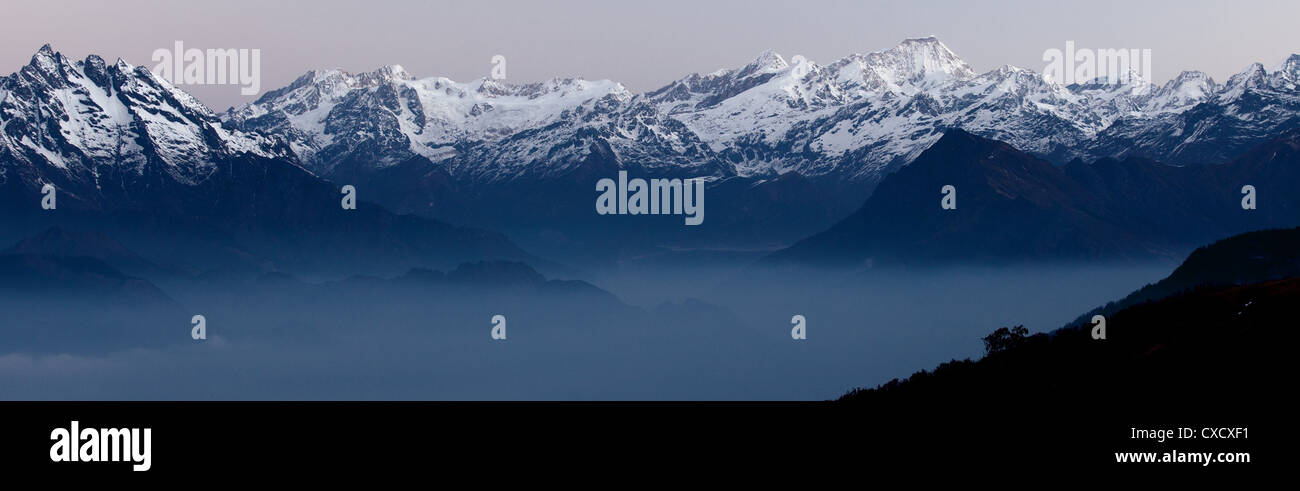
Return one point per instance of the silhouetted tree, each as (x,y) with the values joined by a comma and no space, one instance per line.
(1004,339)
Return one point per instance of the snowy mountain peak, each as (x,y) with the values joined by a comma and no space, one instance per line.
(1252,77)
(1187,89)
(1290,69)
(1130,77)
(766,62)
(1012,71)
(919,61)
(861,115)
(50,65)
(44,58)
(855,118)
(389,73)
(329,116)
(95,61)
(70,122)
(1193,77)
(925,44)
(488,87)
(1253,73)
(96,70)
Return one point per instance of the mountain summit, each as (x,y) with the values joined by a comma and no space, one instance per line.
(133,156)
(93,129)
(856,118)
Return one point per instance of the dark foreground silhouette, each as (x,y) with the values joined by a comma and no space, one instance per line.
(1207,347)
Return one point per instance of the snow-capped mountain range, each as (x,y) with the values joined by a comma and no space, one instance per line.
(855,118)
(84,125)
(131,156)
(789,146)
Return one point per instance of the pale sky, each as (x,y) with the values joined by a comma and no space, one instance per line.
(642,44)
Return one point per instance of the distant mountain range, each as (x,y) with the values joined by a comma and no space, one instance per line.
(42,275)
(802,142)
(112,310)
(134,157)
(856,118)
(789,149)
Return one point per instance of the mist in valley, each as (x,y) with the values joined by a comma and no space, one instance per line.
(677,326)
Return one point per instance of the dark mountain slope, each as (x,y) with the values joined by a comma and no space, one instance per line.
(1013,207)
(1205,348)
(1215,331)
(1009,205)
(1253,257)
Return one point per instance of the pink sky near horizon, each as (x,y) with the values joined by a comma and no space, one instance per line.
(643,45)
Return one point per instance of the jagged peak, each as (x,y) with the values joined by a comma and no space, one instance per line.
(52,67)
(919,59)
(930,40)
(45,60)
(768,56)
(1011,70)
(491,86)
(1012,77)
(394,71)
(323,74)
(1290,68)
(95,70)
(123,66)
(1192,75)
(1188,88)
(387,73)
(1253,69)
(766,62)
(382,75)
(1130,77)
(1188,80)
(1250,76)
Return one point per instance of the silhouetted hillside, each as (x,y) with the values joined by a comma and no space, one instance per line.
(1219,321)
(1247,258)
(1203,348)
